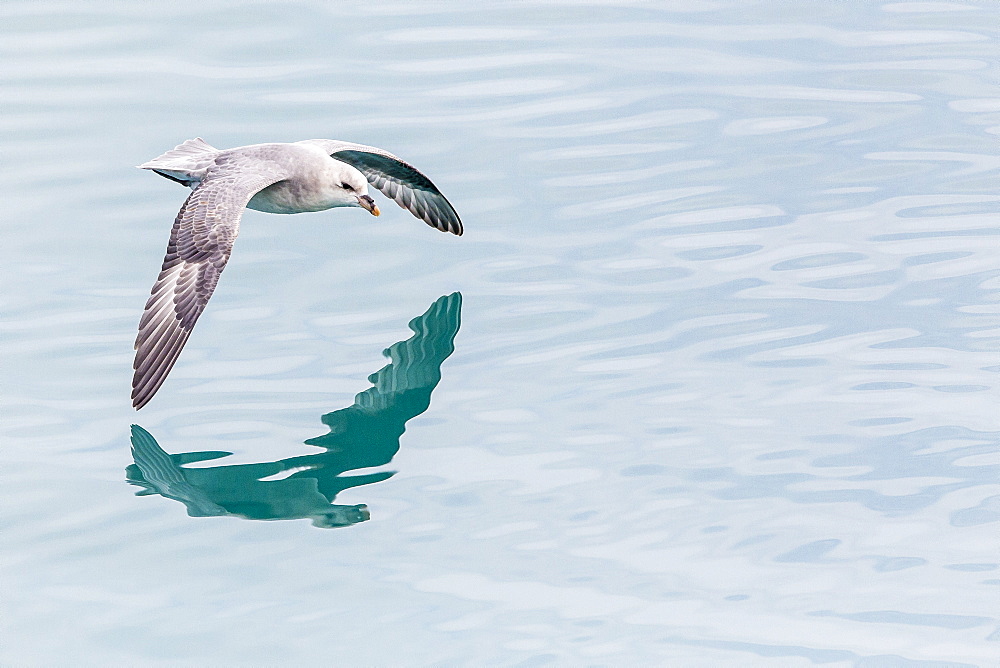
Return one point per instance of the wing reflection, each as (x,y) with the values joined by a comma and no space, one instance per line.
(363,435)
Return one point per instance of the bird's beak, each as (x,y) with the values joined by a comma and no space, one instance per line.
(368,203)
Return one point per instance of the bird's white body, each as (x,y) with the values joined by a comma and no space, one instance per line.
(313,180)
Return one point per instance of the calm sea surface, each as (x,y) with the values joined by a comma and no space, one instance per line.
(712,379)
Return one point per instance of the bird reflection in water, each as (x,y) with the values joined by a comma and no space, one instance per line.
(363,435)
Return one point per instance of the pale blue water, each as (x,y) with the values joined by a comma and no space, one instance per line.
(725,379)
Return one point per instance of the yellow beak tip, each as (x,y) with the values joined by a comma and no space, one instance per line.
(375,211)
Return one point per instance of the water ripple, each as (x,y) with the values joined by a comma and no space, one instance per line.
(725,389)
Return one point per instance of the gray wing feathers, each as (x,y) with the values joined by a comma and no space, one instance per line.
(398,180)
(201,241)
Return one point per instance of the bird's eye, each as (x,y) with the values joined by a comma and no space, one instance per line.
(346,186)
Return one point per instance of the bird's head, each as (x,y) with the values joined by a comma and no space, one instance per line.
(350,188)
(340,516)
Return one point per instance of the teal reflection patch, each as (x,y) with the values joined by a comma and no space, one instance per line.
(363,435)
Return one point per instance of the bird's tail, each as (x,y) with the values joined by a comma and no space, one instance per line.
(186,163)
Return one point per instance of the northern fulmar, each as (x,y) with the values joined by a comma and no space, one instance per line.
(310,175)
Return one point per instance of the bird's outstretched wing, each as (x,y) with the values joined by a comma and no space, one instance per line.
(201,241)
(398,180)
